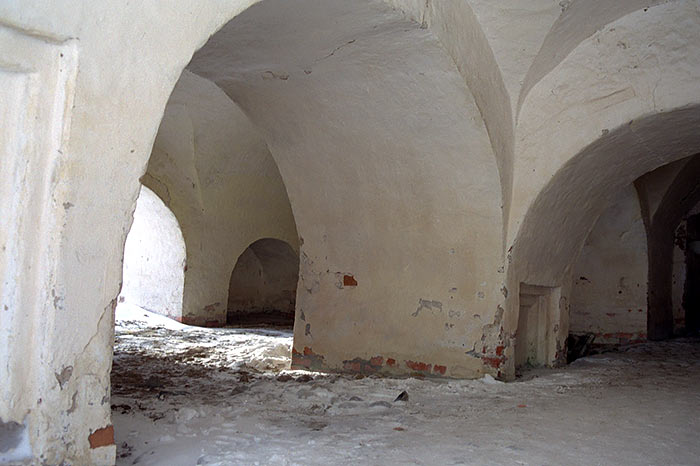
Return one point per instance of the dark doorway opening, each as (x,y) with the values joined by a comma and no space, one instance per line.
(263,286)
(691,293)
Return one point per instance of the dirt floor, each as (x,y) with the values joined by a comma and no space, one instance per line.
(185,395)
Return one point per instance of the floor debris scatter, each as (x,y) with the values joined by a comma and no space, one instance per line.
(193,396)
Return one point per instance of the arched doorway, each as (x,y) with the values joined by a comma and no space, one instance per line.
(559,221)
(629,277)
(609,291)
(262,289)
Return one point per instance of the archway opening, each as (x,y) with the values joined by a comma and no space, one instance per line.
(213,168)
(609,291)
(630,276)
(263,285)
(686,275)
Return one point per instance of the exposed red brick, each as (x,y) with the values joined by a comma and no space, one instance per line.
(418,366)
(499,349)
(522,406)
(391,362)
(308,359)
(494,362)
(376,361)
(352,366)
(439,369)
(349,280)
(364,366)
(102,437)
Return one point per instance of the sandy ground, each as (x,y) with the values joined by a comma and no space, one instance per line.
(185,395)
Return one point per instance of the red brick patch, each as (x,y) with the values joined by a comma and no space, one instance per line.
(102,437)
(419,366)
(492,361)
(349,280)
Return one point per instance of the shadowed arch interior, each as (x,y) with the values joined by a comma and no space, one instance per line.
(263,284)
(682,195)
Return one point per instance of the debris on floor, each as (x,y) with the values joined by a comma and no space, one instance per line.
(186,395)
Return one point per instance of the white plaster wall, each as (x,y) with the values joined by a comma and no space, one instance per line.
(516,30)
(154,258)
(455,24)
(609,296)
(578,21)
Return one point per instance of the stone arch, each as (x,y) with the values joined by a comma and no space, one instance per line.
(263,284)
(363,172)
(154,258)
(564,212)
(216,172)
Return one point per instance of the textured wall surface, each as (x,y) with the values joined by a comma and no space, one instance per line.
(609,296)
(154,258)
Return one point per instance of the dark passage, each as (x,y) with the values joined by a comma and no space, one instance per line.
(691,294)
(262,291)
